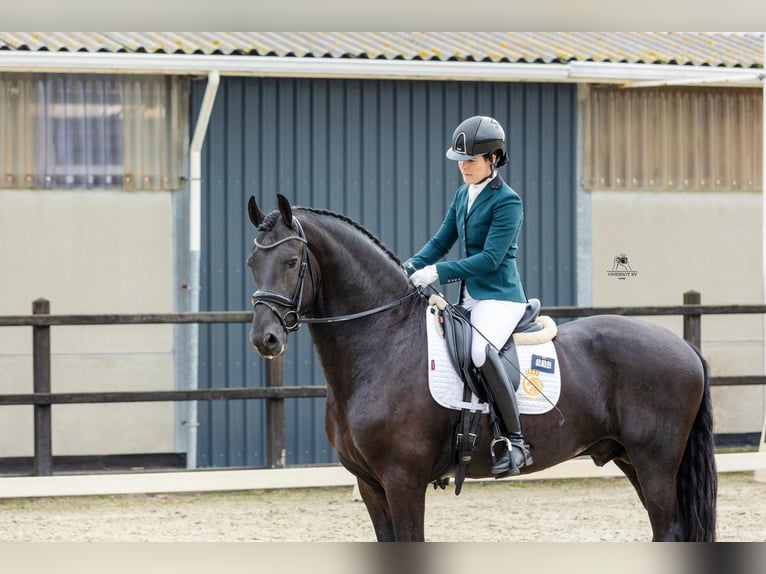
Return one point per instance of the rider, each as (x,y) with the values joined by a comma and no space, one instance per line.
(485,215)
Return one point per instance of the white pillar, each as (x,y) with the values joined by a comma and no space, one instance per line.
(195,235)
(760,475)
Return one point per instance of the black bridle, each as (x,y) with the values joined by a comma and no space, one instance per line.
(291,319)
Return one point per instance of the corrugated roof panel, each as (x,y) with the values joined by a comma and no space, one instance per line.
(703,48)
(59,41)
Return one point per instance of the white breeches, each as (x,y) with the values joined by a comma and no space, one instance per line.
(495,320)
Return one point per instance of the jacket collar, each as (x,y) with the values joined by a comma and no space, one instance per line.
(494,184)
(496,181)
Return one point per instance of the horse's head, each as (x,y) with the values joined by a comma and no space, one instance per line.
(279,261)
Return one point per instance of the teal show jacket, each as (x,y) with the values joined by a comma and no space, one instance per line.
(488,236)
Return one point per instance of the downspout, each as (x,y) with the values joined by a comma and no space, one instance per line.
(195,239)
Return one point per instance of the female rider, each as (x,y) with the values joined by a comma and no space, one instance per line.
(486,216)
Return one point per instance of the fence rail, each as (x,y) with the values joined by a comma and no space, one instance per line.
(275,393)
(246,316)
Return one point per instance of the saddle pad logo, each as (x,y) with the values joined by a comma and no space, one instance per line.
(543,364)
(531,383)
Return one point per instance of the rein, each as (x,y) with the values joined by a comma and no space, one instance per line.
(291,320)
(361,314)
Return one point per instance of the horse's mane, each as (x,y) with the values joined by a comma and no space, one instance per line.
(272,218)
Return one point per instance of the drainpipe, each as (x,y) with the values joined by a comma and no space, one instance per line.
(195,238)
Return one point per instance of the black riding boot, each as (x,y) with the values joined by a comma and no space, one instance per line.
(516,454)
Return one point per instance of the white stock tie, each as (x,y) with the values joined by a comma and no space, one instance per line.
(475,189)
(473,193)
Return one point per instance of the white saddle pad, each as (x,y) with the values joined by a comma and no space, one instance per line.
(538,391)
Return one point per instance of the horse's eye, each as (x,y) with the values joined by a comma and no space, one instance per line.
(292,263)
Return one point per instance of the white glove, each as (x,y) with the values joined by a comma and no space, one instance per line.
(424,277)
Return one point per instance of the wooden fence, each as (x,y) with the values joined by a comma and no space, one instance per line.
(274,391)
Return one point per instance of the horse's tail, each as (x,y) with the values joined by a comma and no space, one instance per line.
(697,481)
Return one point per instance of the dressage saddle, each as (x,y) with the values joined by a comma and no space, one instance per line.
(458,334)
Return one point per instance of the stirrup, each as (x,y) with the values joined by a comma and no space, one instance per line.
(503,466)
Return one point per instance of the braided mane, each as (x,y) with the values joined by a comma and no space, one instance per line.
(272,218)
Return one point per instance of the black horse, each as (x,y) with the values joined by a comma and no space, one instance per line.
(632,392)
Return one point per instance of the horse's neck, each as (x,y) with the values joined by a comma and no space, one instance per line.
(355,274)
(351,352)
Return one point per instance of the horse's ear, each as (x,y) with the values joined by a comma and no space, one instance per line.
(254,212)
(285,210)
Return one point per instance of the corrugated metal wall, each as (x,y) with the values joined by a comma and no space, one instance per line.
(673,138)
(373,150)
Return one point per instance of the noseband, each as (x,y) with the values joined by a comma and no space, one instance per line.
(290,319)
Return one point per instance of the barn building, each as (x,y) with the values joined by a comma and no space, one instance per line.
(631,151)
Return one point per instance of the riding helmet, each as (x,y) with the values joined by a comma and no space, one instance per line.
(477,136)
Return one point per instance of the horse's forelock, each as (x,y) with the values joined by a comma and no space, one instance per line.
(269,222)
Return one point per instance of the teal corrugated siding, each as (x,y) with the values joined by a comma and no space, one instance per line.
(373,150)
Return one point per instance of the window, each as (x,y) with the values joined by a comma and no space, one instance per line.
(93,131)
(673,138)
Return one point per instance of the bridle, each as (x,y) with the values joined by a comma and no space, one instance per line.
(291,319)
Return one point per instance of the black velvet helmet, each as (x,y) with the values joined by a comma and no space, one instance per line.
(478,136)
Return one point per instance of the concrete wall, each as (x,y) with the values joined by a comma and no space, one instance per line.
(89,252)
(680,241)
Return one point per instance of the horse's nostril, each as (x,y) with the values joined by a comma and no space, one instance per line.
(270,341)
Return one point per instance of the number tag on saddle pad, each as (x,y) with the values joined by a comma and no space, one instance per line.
(540,378)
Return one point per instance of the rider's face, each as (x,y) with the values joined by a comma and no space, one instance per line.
(475,169)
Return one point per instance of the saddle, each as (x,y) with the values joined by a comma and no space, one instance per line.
(458,335)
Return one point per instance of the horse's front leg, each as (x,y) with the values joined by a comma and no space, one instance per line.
(407,505)
(398,512)
(374,498)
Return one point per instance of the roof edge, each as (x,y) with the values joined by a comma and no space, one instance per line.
(284,66)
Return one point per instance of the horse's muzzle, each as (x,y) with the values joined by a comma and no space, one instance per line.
(269,343)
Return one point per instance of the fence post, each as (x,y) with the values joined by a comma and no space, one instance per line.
(693,323)
(41,360)
(275,417)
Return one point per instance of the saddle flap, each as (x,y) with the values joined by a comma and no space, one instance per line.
(457,332)
(458,335)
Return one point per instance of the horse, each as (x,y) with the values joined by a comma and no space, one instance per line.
(632,392)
